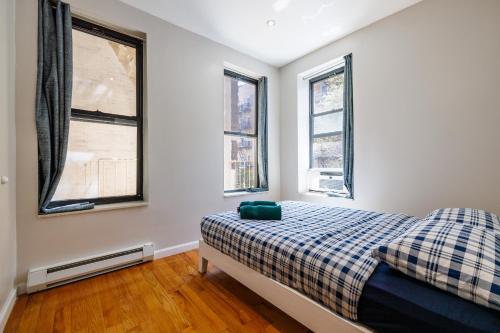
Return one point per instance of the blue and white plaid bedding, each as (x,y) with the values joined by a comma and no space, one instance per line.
(322,252)
(454,249)
(475,217)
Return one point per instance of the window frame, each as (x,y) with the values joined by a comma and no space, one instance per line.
(111,118)
(312,115)
(232,74)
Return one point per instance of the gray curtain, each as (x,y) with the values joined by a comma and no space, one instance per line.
(348,148)
(53,99)
(262,134)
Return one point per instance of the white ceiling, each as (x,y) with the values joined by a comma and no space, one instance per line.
(301,25)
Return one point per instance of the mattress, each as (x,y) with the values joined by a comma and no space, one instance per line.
(322,252)
(394,302)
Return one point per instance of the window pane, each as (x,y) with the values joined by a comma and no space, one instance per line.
(101,162)
(104,75)
(329,94)
(328,123)
(327,152)
(239,106)
(240,162)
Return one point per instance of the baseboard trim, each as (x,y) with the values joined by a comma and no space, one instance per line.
(7,308)
(170,251)
(21,289)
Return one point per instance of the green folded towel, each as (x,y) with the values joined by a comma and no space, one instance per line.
(260,212)
(258,203)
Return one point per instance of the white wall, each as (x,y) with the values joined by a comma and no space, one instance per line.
(7,155)
(426,109)
(184,145)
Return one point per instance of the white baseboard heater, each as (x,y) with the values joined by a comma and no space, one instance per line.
(56,275)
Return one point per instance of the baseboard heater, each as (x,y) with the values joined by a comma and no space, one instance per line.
(53,276)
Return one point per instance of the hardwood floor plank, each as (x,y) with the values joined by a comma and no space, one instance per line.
(47,313)
(166,302)
(62,320)
(166,295)
(29,318)
(17,314)
(114,302)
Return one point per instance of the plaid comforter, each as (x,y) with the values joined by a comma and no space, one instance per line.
(454,249)
(322,252)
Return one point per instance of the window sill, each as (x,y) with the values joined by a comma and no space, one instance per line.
(325,195)
(99,208)
(242,193)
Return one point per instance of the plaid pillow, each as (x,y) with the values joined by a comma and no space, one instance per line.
(472,216)
(457,257)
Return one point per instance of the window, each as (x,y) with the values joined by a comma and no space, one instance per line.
(326,131)
(240,132)
(104,159)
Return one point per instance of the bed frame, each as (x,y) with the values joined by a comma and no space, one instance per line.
(311,314)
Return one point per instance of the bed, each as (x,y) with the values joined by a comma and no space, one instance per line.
(316,265)
(393,302)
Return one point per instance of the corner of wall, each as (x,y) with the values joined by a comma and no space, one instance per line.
(9,259)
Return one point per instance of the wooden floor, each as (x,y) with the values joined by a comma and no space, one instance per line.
(166,295)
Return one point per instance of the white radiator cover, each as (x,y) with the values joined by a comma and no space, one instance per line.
(56,275)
